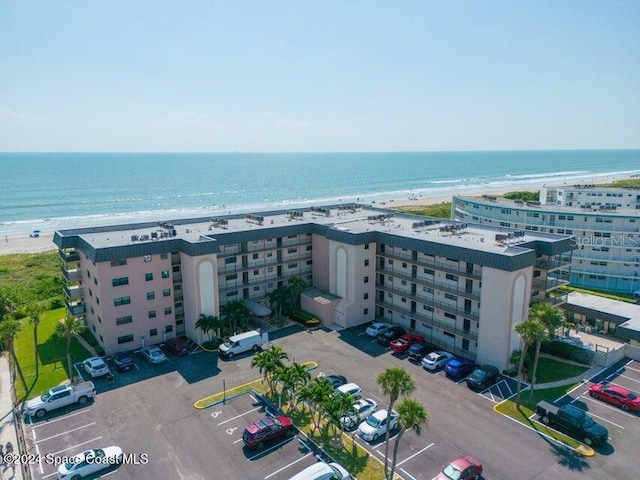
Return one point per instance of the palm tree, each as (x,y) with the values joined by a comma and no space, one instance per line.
(530,331)
(296,286)
(395,382)
(68,328)
(208,324)
(279,298)
(548,315)
(333,408)
(34,317)
(235,314)
(7,306)
(9,330)
(321,390)
(297,376)
(411,415)
(268,362)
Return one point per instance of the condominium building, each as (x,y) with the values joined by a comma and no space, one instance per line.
(605,224)
(463,286)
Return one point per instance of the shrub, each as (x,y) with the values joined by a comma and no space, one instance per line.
(305,318)
(568,351)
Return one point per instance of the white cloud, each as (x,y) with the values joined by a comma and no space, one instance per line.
(9,115)
(270,119)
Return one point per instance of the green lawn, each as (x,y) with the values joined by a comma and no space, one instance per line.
(439,210)
(51,355)
(550,370)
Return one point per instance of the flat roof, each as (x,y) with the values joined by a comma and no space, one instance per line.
(627,315)
(342,218)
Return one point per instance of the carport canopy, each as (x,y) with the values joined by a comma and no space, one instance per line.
(257,309)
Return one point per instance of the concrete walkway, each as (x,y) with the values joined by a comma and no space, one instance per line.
(7,421)
(593,370)
(89,348)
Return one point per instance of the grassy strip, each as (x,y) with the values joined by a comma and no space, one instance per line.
(257,385)
(527,409)
(52,362)
(33,278)
(620,296)
(439,210)
(348,453)
(551,370)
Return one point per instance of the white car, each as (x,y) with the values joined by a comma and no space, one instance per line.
(322,471)
(95,366)
(377,328)
(154,355)
(89,462)
(349,389)
(375,426)
(361,410)
(436,360)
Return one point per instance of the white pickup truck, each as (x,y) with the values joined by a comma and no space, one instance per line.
(58,397)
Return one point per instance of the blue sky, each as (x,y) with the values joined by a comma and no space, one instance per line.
(297,76)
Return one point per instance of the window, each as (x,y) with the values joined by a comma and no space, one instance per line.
(293,265)
(309,247)
(450,315)
(166,292)
(404,265)
(255,256)
(232,276)
(366,311)
(366,295)
(120,281)
(229,260)
(118,263)
(151,314)
(124,320)
(165,273)
(427,289)
(366,262)
(151,295)
(451,277)
(427,308)
(164,256)
(232,294)
(148,277)
(403,300)
(390,262)
(256,288)
(121,301)
(168,328)
(429,271)
(167,310)
(153,332)
(256,272)
(465,344)
(292,250)
(366,279)
(125,339)
(449,296)
(366,246)
(269,269)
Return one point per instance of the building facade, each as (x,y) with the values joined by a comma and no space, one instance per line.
(605,224)
(463,286)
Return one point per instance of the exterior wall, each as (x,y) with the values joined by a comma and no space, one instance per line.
(324,311)
(200,286)
(352,277)
(320,263)
(504,303)
(608,253)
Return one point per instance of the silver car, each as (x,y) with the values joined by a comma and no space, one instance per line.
(154,355)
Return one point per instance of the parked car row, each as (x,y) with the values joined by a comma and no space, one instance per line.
(478,377)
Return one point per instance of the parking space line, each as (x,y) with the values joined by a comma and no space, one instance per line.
(270,449)
(238,416)
(408,474)
(237,441)
(287,466)
(48,422)
(49,475)
(417,453)
(629,378)
(630,368)
(588,397)
(68,431)
(601,418)
(255,400)
(76,446)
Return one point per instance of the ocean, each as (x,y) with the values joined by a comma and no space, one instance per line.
(50,191)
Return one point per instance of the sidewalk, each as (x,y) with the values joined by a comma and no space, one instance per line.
(7,421)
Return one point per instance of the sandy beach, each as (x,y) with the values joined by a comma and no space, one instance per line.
(43,243)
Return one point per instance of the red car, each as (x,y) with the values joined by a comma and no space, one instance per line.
(269,428)
(177,346)
(402,344)
(615,395)
(463,468)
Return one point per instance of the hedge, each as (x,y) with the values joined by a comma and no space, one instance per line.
(305,318)
(568,351)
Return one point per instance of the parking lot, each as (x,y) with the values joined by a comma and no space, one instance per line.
(149,410)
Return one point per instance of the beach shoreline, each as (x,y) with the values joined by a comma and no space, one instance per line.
(26,244)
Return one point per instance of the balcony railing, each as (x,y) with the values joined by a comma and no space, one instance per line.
(427,280)
(73,293)
(238,267)
(76,309)
(69,256)
(74,275)
(444,267)
(546,264)
(452,309)
(473,336)
(233,252)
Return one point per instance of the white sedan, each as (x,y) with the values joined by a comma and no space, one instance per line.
(95,366)
(377,328)
(376,425)
(361,410)
(153,355)
(322,471)
(89,462)
(436,360)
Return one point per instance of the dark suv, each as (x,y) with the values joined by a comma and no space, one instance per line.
(418,351)
(390,335)
(269,428)
(482,377)
(177,346)
(122,361)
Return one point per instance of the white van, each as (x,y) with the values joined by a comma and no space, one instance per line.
(243,342)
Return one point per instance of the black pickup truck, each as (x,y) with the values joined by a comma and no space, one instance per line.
(574,421)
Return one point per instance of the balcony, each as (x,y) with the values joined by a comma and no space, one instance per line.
(73,293)
(549,284)
(69,255)
(76,309)
(428,281)
(429,300)
(549,265)
(238,268)
(473,336)
(444,267)
(71,276)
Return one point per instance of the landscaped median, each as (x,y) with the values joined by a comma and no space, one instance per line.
(257,385)
(526,411)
